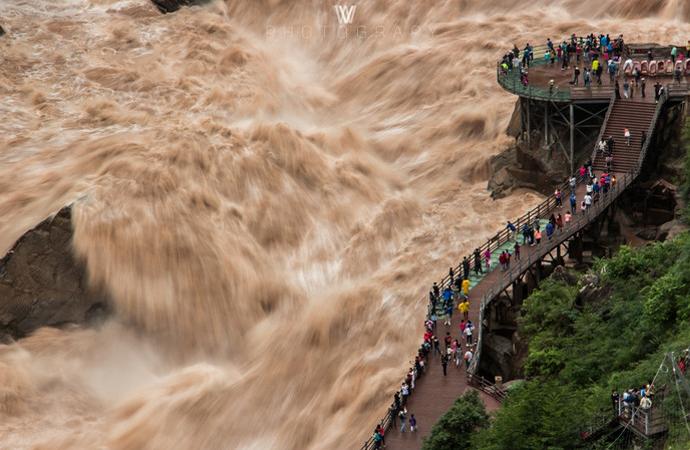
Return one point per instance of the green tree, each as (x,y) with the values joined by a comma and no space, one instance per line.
(455,428)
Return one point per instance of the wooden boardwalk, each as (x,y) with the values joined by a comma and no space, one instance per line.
(434,393)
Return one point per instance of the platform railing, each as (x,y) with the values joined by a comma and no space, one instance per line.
(512,82)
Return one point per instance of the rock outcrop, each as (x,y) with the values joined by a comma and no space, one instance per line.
(42,284)
(497,355)
(168,6)
(516,168)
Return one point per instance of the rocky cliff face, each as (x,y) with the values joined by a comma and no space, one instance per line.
(41,283)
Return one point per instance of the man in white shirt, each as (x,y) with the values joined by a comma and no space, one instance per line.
(468,358)
(468,334)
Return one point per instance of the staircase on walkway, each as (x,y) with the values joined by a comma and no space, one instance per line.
(635,116)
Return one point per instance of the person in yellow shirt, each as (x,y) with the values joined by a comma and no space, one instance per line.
(464,308)
(466,287)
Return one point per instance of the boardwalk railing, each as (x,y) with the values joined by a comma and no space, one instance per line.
(486,386)
(511,81)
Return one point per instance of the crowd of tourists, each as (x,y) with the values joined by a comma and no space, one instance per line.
(626,404)
(638,397)
(597,55)
(439,346)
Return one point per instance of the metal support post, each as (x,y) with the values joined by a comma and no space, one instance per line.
(572,139)
(546,124)
(529,124)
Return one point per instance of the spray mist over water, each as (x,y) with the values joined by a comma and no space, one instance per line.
(265,197)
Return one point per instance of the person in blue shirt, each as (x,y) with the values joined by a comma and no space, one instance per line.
(511,229)
(525,234)
(573,203)
(549,230)
(447,294)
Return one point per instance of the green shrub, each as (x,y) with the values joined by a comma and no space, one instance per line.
(455,428)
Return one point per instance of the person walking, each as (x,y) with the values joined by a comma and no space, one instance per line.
(468,334)
(511,229)
(525,234)
(465,268)
(643,87)
(558,196)
(457,350)
(449,313)
(516,251)
(413,423)
(487,259)
(549,230)
(382,432)
(437,345)
(657,91)
(402,415)
(573,202)
(610,143)
(378,439)
(464,308)
(468,358)
(626,88)
(612,69)
(627,135)
(444,364)
(465,287)
(615,398)
(477,262)
(537,236)
(674,54)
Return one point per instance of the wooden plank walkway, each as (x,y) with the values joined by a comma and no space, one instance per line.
(434,393)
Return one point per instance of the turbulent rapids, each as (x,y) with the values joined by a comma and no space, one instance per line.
(263,194)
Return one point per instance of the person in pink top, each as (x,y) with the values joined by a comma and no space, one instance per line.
(487,259)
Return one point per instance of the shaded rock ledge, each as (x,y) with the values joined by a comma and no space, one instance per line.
(42,284)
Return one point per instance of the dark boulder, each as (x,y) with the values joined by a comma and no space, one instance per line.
(42,284)
(562,275)
(168,6)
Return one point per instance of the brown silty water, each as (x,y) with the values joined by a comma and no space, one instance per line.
(264,194)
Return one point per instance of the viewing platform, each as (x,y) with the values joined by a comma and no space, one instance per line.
(541,72)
